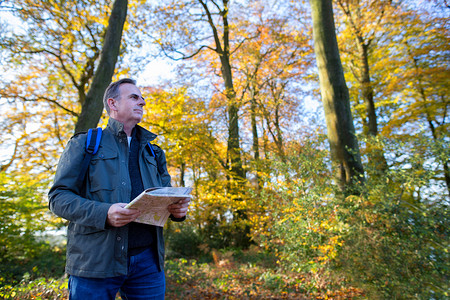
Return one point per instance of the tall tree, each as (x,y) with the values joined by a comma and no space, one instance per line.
(335,96)
(270,71)
(200,25)
(364,20)
(92,106)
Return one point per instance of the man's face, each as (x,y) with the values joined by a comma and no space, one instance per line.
(129,106)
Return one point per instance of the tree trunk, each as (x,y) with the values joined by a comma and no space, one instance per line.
(233,149)
(255,138)
(367,90)
(377,160)
(279,134)
(234,160)
(182,173)
(335,96)
(92,107)
(352,10)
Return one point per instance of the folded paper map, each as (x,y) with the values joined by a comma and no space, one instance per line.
(153,203)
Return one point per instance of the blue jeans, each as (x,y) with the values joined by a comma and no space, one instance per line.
(143,281)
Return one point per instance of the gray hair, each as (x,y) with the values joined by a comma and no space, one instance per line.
(112,91)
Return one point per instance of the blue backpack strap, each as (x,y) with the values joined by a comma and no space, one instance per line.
(153,153)
(93,139)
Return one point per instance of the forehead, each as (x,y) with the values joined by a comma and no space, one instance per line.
(127,89)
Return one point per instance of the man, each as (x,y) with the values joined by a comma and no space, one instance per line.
(106,250)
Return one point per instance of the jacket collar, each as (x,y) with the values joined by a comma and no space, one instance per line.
(117,128)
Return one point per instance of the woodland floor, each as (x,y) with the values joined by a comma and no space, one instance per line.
(228,275)
(246,276)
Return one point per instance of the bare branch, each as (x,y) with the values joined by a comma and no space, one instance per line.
(246,39)
(219,49)
(63,66)
(48,100)
(183,55)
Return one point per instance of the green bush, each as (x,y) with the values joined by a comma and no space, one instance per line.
(182,241)
(392,251)
(43,261)
(24,216)
(391,241)
(39,288)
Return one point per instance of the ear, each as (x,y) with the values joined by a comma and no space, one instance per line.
(112,103)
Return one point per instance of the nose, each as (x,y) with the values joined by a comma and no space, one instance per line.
(141,101)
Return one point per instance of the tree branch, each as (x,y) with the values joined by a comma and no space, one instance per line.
(183,55)
(219,49)
(48,100)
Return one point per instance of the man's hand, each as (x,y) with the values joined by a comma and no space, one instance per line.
(119,216)
(180,208)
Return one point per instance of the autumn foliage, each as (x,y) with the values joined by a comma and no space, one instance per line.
(242,122)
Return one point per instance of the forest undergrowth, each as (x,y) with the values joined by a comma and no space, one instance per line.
(232,274)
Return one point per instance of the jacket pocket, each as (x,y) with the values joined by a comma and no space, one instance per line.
(103,170)
(85,230)
(151,160)
(149,171)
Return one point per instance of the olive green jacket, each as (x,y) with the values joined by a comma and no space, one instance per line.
(93,248)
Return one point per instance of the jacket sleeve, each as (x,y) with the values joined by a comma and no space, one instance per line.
(65,196)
